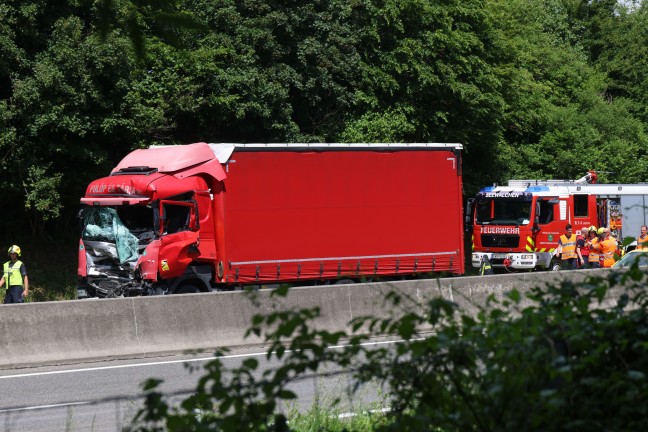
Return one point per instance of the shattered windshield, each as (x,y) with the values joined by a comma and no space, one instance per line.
(123,226)
(502,211)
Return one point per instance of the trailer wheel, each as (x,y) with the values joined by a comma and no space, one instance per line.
(187,288)
(344,281)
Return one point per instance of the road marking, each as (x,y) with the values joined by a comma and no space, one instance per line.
(202,359)
(44,407)
(65,371)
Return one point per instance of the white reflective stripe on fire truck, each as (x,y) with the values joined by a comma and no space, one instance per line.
(344,258)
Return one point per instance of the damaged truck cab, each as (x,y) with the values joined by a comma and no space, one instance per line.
(140,225)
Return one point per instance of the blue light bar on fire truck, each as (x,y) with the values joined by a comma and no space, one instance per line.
(508,194)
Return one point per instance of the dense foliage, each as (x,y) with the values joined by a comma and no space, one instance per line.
(541,88)
(532,88)
(564,357)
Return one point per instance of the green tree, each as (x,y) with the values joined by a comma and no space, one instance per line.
(621,57)
(69,111)
(427,76)
(557,119)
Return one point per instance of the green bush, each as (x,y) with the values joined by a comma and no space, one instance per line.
(564,357)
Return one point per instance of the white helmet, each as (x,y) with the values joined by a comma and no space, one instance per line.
(14,249)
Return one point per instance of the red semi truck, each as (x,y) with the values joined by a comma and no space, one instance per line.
(201,217)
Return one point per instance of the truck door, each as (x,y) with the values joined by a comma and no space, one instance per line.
(179,236)
(548,221)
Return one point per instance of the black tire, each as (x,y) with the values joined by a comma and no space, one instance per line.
(187,288)
(344,281)
(555,266)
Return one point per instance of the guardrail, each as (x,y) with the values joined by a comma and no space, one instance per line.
(66,331)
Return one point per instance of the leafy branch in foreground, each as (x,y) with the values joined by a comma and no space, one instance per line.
(572,356)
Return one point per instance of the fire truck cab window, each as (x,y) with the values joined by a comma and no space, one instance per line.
(580,205)
(546,211)
(503,211)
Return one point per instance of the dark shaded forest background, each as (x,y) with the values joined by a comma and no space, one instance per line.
(531,88)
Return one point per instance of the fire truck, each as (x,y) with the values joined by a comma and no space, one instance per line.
(518,226)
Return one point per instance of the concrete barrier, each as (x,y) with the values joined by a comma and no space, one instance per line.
(65,331)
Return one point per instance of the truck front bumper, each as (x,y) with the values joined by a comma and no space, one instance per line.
(518,261)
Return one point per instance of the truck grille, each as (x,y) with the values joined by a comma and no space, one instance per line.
(500,240)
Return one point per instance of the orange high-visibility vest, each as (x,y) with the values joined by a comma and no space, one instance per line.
(595,248)
(568,246)
(608,247)
(642,242)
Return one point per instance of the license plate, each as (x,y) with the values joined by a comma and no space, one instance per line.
(499,256)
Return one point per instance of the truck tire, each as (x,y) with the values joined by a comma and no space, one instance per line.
(187,288)
(554,266)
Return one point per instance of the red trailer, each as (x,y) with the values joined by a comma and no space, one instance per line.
(203,216)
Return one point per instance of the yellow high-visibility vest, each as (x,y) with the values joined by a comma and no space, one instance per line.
(12,275)
(568,246)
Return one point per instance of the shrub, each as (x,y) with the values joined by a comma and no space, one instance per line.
(571,357)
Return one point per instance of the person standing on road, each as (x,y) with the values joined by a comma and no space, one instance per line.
(15,276)
(570,253)
(592,243)
(608,248)
(642,240)
(581,244)
(486,268)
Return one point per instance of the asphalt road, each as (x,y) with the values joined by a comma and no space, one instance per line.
(105,396)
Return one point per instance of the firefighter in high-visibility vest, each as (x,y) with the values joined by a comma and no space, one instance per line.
(486,268)
(15,275)
(608,248)
(594,256)
(571,255)
(581,243)
(642,240)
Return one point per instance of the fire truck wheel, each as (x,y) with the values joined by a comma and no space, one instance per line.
(555,266)
(187,288)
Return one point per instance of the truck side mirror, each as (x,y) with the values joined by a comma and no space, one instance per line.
(156,220)
(194,224)
(469,213)
(163,220)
